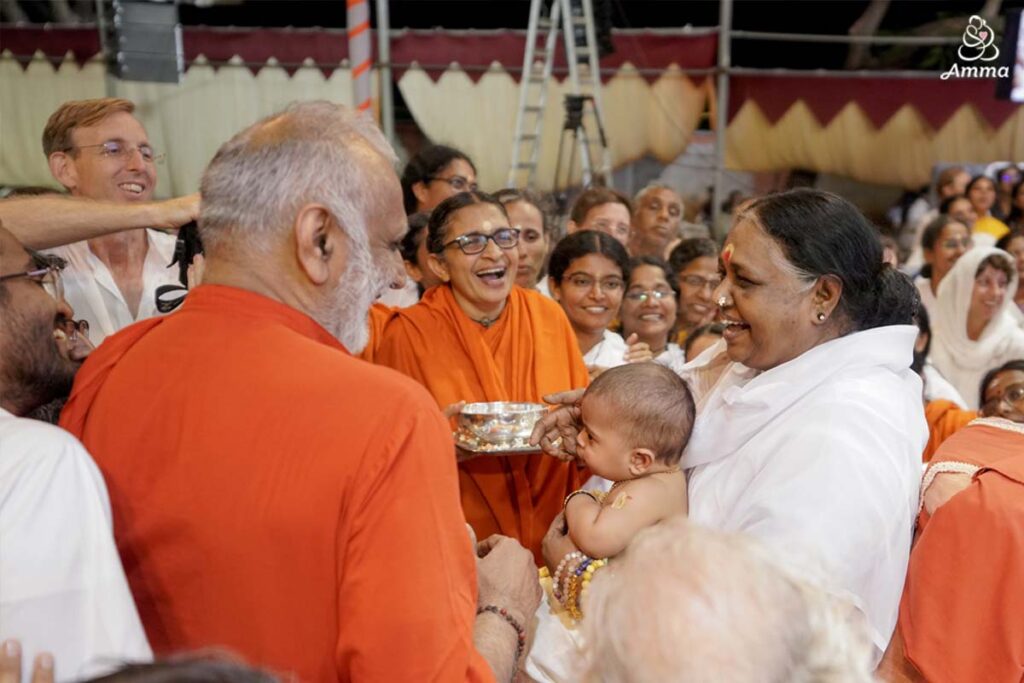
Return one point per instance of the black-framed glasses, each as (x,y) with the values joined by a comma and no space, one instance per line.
(643,295)
(117,149)
(698,282)
(46,273)
(457,182)
(608,284)
(475,242)
(1013,396)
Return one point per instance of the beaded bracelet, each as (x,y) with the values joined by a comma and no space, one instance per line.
(557,578)
(570,570)
(520,631)
(572,596)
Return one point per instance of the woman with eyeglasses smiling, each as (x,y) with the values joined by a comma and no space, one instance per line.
(478,338)
(649,308)
(587,276)
(695,263)
(433,174)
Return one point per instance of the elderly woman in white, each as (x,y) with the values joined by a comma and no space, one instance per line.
(809,424)
(974,329)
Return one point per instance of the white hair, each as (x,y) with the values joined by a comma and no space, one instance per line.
(651,187)
(686,603)
(312,152)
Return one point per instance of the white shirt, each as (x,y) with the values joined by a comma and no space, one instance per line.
(938,388)
(924,289)
(818,458)
(90,288)
(672,357)
(62,588)
(610,352)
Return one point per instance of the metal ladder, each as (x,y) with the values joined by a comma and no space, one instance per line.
(574,17)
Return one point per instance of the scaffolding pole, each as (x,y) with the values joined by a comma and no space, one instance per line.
(387,104)
(722,113)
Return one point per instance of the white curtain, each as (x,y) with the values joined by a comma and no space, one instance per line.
(479,118)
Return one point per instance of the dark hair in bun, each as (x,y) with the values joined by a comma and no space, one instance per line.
(823,234)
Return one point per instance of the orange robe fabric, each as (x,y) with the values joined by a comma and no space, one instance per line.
(379,317)
(529,352)
(276,496)
(960,616)
(944,419)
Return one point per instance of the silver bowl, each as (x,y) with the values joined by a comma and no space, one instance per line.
(500,424)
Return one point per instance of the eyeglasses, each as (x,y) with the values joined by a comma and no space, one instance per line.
(609,284)
(698,282)
(46,273)
(642,296)
(475,242)
(115,149)
(1013,396)
(458,183)
(953,243)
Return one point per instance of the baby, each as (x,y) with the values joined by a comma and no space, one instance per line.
(634,424)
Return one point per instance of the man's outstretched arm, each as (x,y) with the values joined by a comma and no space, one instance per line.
(49,221)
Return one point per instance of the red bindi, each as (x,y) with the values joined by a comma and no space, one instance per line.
(727,253)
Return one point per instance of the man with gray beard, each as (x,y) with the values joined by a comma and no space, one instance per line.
(273,494)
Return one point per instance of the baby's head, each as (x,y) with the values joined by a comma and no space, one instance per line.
(636,418)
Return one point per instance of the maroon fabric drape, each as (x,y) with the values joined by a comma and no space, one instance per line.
(434,50)
(936,100)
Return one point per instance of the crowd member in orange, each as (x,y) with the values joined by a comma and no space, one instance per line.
(480,338)
(960,617)
(268,490)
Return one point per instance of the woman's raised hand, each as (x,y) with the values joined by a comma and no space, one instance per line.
(638,351)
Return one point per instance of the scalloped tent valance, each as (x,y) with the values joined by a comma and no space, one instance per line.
(433,50)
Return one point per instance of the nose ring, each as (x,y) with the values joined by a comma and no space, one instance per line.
(721,301)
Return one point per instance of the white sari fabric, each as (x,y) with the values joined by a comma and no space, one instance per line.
(819,458)
(961,360)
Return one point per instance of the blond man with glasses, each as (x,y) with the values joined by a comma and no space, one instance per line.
(98,150)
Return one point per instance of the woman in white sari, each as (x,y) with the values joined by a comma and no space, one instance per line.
(974,330)
(809,425)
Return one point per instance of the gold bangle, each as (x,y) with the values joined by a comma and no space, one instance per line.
(579,492)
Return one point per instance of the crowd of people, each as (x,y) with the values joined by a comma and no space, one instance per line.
(727,485)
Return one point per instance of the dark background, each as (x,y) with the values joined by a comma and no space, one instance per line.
(904,17)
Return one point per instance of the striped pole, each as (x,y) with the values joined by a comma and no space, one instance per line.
(359,53)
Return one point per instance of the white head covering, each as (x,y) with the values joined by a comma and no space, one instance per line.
(961,360)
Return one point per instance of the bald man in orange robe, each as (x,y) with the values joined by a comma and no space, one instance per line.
(530,351)
(271,493)
(960,613)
